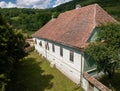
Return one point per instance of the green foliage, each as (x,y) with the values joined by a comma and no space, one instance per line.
(115,81)
(111,35)
(11,50)
(107,48)
(26,19)
(55,14)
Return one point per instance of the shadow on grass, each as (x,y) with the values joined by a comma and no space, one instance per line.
(28,77)
(115,81)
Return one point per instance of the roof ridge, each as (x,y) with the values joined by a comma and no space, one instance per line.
(104,16)
(78,9)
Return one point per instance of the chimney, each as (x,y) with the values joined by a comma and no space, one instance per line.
(78,6)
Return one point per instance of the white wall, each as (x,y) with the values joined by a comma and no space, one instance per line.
(70,69)
(85,84)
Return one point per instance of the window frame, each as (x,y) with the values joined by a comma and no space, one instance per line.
(40,43)
(53,47)
(35,41)
(61,51)
(47,46)
(71,56)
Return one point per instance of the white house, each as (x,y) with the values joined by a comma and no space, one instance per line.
(62,41)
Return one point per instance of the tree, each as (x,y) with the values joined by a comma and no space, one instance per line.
(11,50)
(55,14)
(106,49)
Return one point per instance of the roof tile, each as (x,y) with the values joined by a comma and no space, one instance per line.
(74,27)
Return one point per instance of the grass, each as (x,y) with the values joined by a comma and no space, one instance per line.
(115,81)
(35,74)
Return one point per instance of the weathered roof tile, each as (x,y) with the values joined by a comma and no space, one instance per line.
(74,27)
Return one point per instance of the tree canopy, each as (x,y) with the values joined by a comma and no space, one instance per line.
(11,49)
(26,19)
(106,49)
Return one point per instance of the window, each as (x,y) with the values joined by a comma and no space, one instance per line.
(47,46)
(35,41)
(61,51)
(40,43)
(53,47)
(71,56)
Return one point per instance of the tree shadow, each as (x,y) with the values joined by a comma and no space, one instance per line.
(29,77)
(115,81)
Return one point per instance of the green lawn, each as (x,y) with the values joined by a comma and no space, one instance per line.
(35,74)
(115,81)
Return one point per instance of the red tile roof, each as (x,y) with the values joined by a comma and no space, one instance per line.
(74,27)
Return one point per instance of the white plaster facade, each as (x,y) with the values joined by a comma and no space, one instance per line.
(71,69)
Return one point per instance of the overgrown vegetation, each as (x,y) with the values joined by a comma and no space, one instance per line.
(115,81)
(11,51)
(106,49)
(32,19)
